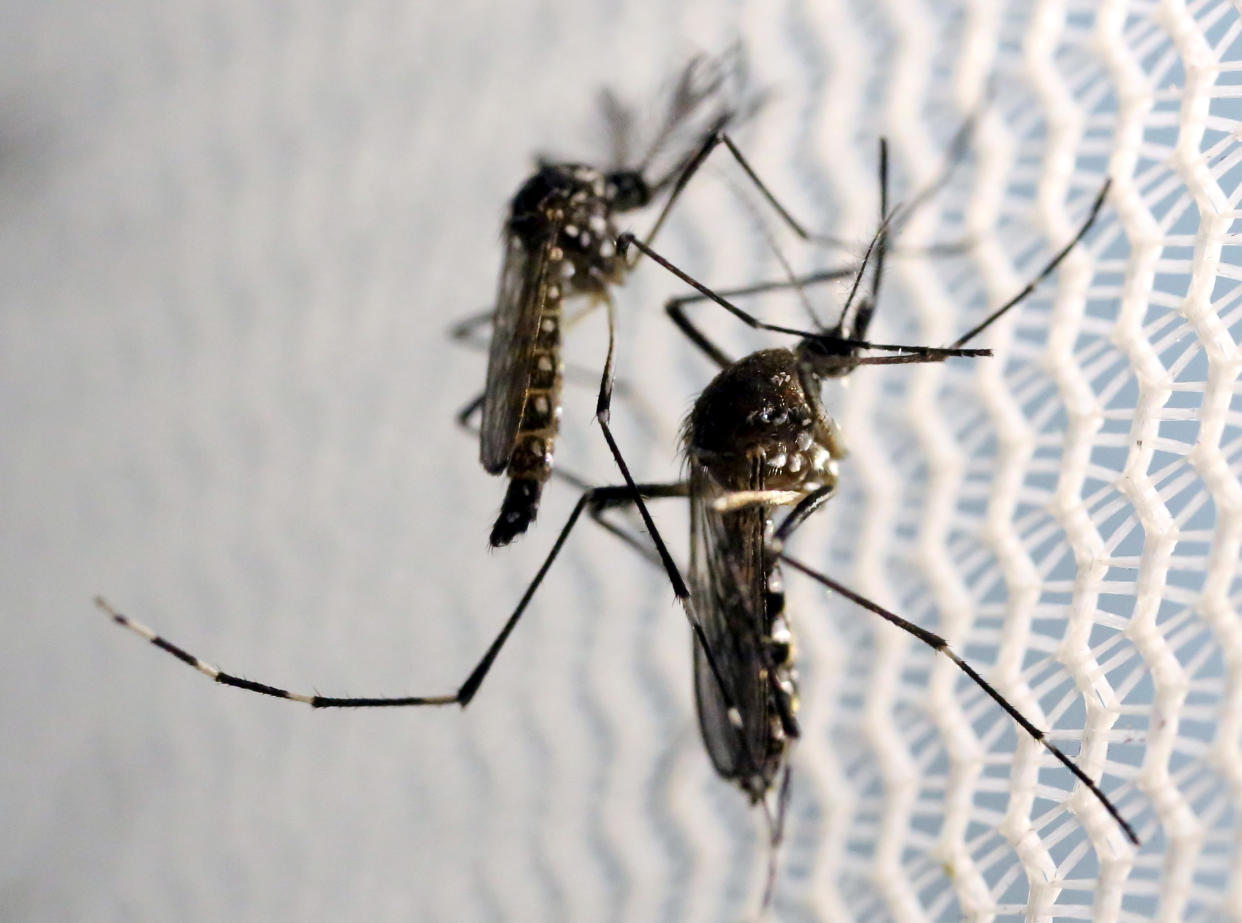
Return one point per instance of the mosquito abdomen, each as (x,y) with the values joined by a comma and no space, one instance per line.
(530,462)
(518,511)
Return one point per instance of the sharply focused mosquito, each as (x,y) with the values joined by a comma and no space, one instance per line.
(759,440)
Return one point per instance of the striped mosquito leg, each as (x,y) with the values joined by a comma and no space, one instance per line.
(940,645)
(592,498)
(227,679)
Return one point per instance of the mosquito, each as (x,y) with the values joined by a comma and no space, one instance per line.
(559,242)
(759,442)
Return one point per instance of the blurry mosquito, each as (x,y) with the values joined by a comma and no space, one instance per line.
(759,439)
(559,243)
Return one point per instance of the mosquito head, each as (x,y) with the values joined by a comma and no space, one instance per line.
(627,189)
(828,355)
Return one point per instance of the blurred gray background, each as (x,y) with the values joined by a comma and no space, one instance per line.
(233,237)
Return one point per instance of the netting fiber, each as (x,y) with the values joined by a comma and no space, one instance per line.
(232,237)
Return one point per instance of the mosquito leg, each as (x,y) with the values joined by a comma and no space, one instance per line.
(710,143)
(828,338)
(466,413)
(579,375)
(675,310)
(624,496)
(603,403)
(608,498)
(1043,273)
(643,547)
(601,496)
(602,499)
(792,223)
(679,490)
(684,175)
(575,373)
(957,151)
(940,645)
(227,679)
(799,515)
(806,508)
(626,240)
(603,411)
(464,330)
(622,388)
(852,336)
(675,307)
(591,497)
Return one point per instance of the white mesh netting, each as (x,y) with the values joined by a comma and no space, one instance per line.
(232,238)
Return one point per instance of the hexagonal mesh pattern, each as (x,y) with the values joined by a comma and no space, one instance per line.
(232,239)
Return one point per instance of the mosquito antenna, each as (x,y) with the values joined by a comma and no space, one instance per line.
(862,267)
(862,317)
(1044,273)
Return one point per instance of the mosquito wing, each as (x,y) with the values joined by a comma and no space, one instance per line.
(729,585)
(710,94)
(515,325)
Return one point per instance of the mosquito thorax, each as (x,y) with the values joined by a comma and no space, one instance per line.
(764,408)
(571,203)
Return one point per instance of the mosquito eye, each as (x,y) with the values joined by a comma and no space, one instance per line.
(629,190)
